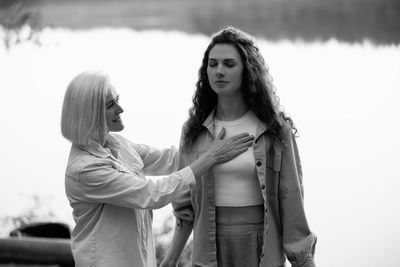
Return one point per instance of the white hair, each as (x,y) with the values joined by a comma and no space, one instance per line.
(83,113)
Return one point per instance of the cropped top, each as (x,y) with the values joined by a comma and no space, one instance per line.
(236,181)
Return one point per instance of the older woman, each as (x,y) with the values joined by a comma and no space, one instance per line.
(248,211)
(105,177)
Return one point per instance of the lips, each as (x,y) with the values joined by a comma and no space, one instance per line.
(220,82)
(117,119)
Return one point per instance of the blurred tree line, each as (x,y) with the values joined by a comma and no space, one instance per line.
(19,23)
(309,20)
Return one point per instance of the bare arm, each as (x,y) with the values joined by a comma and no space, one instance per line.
(179,239)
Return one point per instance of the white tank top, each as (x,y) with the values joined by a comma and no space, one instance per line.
(236,182)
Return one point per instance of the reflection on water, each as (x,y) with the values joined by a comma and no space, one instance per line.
(343,98)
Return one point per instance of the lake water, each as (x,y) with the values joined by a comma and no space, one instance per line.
(343,98)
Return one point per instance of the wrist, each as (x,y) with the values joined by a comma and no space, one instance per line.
(209,159)
(202,164)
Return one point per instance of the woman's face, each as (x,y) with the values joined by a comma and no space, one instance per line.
(225,70)
(113,111)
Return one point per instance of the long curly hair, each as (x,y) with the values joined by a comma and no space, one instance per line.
(257,88)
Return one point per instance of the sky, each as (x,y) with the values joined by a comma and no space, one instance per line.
(343,99)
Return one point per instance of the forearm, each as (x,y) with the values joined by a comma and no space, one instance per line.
(159,161)
(201,165)
(179,239)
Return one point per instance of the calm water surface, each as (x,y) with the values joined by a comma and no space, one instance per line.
(343,98)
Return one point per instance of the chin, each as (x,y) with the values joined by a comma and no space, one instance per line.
(117,128)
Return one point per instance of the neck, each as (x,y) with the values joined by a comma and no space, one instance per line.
(230,108)
(110,146)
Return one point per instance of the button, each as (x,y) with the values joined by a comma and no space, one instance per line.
(258,163)
(263,187)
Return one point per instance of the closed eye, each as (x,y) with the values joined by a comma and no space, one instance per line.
(230,63)
(212,63)
(111,103)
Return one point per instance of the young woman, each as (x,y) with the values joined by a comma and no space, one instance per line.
(105,177)
(249,211)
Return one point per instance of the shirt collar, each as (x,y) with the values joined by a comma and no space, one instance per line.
(109,150)
(209,123)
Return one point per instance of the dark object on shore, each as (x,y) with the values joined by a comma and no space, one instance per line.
(49,230)
(36,251)
(38,244)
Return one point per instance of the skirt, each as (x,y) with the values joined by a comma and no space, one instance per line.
(239,244)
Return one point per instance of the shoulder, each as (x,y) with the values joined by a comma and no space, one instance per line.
(197,145)
(285,140)
(288,131)
(184,130)
(185,127)
(79,159)
(290,143)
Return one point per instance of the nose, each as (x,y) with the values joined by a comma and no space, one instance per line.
(220,70)
(119,109)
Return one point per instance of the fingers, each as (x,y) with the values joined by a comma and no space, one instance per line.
(221,134)
(239,136)
(225,150)
(240,151)
(244,145)
(232,154)
(244,139)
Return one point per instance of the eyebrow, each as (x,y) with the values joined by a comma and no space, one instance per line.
(112,100)
(225,59)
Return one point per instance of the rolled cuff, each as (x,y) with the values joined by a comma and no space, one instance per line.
(308,263)
(187,176)
(301,253)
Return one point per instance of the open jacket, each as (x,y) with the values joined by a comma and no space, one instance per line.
(286,231)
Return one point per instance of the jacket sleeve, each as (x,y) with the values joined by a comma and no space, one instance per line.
(156,161)
(183,209)
(102,182)
(298,240)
